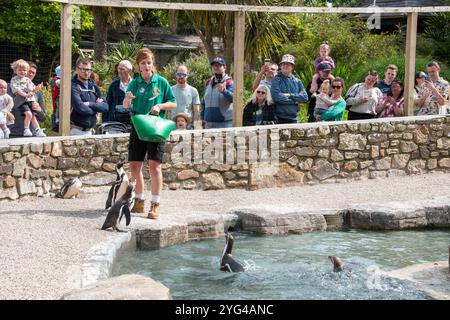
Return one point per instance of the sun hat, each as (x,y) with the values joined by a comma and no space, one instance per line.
(183,115)
(288,58)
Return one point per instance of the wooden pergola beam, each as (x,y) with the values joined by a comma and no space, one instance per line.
(247,8)
(410,65)
(66,67)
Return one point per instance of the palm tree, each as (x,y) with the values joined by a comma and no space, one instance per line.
(108,16)
(264,32)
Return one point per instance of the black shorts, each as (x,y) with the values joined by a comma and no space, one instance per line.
(26,106)
(138,148)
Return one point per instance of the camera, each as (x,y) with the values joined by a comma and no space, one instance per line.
(267,62)
(427,78)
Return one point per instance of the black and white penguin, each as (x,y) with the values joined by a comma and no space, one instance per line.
(121,208)
(70,189)
(338,265)
(228,264)
(119,186)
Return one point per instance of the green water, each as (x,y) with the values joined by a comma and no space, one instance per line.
(292,266)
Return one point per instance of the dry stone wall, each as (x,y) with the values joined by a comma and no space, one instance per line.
(249,158)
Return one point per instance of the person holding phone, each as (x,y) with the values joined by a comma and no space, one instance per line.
(269,70)
(434,93)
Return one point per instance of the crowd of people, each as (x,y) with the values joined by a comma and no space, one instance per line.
(276,96)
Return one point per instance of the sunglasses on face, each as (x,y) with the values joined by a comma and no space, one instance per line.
(261,92)
(181,75)
(336,87)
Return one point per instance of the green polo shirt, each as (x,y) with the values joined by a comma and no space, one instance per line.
(149,94)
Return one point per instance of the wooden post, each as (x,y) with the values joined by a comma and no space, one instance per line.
(66,67)
(410,63)
(238,76)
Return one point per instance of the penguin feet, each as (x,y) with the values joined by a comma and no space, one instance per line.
(138,206)
(154,211)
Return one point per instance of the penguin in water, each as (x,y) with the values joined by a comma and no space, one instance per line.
(121,208)
(119,186)
(70,189)
(338,265)
(228,264)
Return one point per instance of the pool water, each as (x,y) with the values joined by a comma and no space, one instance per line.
(292,266)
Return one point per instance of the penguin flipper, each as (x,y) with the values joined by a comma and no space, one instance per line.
(125,211)
(110,196)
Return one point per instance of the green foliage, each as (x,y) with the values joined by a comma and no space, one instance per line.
(437,33)
(37,23)
(124,51)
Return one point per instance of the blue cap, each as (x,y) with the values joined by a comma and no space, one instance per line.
(326,67)
(219,60)
(58,71)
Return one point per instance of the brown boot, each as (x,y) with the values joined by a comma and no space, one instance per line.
(154,211)
(138,206)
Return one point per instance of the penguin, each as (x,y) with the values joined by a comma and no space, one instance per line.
(119,186)
(70,189)
(338,265)
(228,264)
(121,208)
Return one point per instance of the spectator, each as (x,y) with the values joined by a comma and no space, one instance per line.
(363,98)
(419,84)
(323,101)
(393,104)
(25,101)
(324,74)
(338,110)
(147,93)
(435,91)
(217,104)
(86,100)
(116,94)
(260,110)
(181,121)
(187,97)
(389,75)
(269,70)
(287,92)
(6,104)
(55,84)
(323,58)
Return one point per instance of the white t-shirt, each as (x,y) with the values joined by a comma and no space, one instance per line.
(186,98)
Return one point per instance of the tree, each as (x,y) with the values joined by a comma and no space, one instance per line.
(109,16)
(264,32)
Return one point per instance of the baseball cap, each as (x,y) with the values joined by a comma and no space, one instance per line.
(219,60)
(325,67)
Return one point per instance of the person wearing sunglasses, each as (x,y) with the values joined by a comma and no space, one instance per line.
(87,100)
(188,100)
(337,112)
(260,110)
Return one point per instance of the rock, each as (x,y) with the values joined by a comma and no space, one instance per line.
(391,216)
(8,156)
(272,221)
(187,174)
(9,182)
(124,287)
(96,162)
(416,166)
(324,171)
(57,149)
(36,148)
(206,227)
(305,152)
(336,156)
(399,161)
(349,142)
(383,164)
(160,235)
(10,193)
(25,187)
(19,167)
(212,181)
(408,146)
(35,161)
(267,176)
(421,135)
(444,163)
(443,143)
(104,147)
(98,179)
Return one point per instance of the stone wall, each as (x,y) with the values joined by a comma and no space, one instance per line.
(247,158)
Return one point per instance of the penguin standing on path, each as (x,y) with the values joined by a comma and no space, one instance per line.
(228,264)
(119,186)
(121,208)
(70,189)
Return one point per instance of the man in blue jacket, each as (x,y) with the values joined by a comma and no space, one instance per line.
(87,100)
(287,92)
(217,104)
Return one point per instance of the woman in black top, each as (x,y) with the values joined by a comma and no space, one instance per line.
(260,110)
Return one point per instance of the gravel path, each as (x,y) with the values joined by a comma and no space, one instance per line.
(44,238)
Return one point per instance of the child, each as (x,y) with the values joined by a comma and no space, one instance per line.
(323,101)
(324,57)
(22,86)
(181,120)
(55,83)
(6,104)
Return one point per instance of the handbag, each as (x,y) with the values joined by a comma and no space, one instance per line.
(152,128)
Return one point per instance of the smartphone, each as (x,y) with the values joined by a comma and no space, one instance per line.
(267,62)
(427,78)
